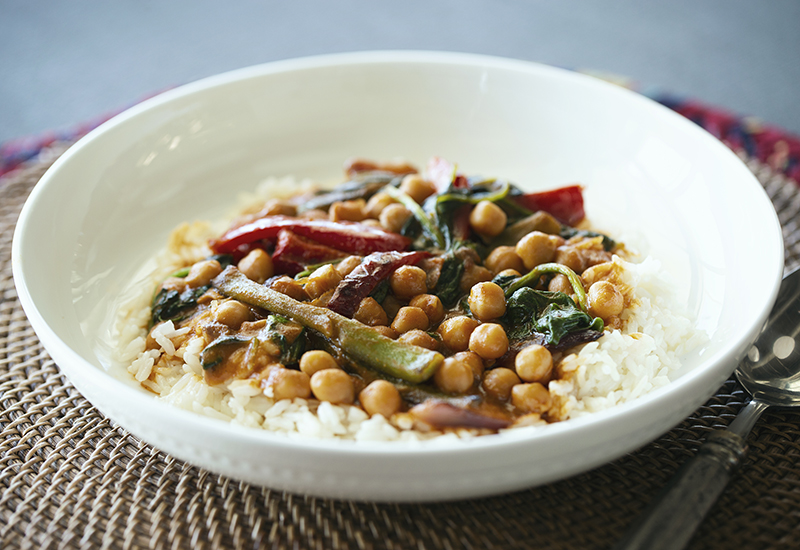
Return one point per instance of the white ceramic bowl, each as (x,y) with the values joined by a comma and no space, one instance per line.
(108,204)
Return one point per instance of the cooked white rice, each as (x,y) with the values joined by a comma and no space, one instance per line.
(628,363)
(621,366)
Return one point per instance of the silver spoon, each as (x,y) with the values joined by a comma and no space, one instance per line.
(771,374)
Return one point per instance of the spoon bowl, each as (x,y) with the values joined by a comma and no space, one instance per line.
(771,370)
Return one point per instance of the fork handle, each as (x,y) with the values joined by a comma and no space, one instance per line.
(672,518)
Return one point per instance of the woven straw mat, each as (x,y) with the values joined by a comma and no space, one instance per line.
(70,478)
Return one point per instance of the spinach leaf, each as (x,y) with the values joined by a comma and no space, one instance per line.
(514,211)
(443,215)
(362,186)
(451,209)
(214,353)
(484,190)
(543,269)
(447,287)
(568,232)
(420,239)
(182,273)
(280,338)
(290,337)
(381,291)
(464,305)
(224,259)
(171,305)
(504,281)
(553,314)
(427,221)
(312,268)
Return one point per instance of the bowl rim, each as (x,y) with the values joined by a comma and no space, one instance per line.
(216,428)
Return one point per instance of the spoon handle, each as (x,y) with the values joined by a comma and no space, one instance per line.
(672,518)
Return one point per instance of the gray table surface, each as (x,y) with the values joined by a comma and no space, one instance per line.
(62,63)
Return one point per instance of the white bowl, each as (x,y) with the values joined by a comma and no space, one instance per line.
(108,204)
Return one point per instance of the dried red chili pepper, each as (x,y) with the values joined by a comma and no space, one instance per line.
(442,173)
(564,203)
(293,253)
(350,237)
(365,277)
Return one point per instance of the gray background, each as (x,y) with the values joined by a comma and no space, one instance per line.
(62,63)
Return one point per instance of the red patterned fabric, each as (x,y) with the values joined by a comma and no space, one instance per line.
(772,146)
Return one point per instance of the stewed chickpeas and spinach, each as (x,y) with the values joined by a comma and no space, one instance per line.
(445,298)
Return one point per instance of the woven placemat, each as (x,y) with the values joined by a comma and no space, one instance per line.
(70,478)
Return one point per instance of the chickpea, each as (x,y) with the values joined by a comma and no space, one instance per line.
(417,337)
(473,360)
(369,222)
(377,203)
(397,166)
(474,274)
(487,219)
(454,376)
(499,382)
(456,332)
(531,398)
(232,314)
(433,267)
(431,305)
(278,207)
(314,214)
(371,313)
(255,366)
(351,211)
(334,386)
(407,281)
(316,360)
(209,296)
(257,266)
(502,258)
(394,217)
(538,248)
(560,283)
(605,300)
(487,301)
(323,279)
(346,266)
(380,397)
(290,287)
(288,384)
(409,318)
(201,273)
(324,299)
(417,188)
(509,273)
(571,257)
(389,332)
(489,341)
(254,326)
(391,306)
(592,257)
(534,363)
(606,271)
(178,284)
